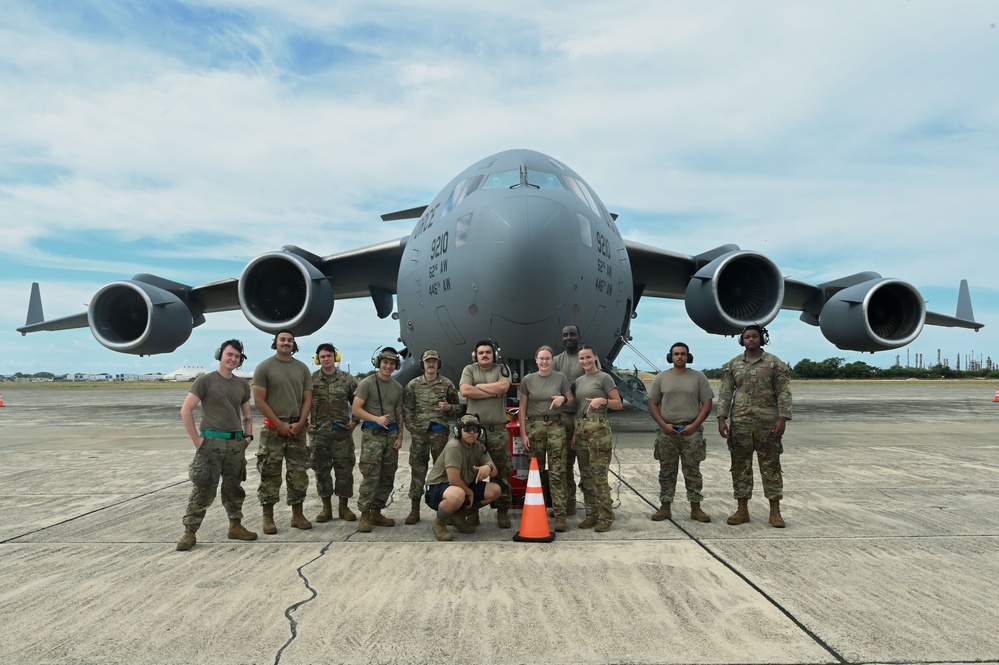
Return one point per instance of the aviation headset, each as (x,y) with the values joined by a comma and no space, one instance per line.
(497,355)
(764,334)
(386,353)
(294,344)
(326,347)
(690,356)
(427,355)
(467,419)
(234,343)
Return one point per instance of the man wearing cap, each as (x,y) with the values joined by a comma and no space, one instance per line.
(282,392)
(378,405)
(331,440)
(427,404)
(459,483)
(485,384)
(220,443)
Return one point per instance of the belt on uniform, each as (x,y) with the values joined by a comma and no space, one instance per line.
(215,434)
(682,423)
(546,418)
(436,427)
(390,428)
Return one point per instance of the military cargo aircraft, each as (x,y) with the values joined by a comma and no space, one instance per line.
(515,247)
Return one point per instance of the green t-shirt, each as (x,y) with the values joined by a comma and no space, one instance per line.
(286,382)
(540,389)
(458,456)
(222,400)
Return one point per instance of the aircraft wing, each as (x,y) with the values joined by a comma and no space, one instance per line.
(289,289)
(727,288)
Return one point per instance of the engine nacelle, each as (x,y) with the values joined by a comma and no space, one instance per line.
(283,291)
(138,318)
(733,291)
(876,315)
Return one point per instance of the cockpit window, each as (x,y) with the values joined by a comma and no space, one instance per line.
(523,178)
(460,191)
(502,179)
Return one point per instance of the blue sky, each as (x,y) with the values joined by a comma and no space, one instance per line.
(184,138)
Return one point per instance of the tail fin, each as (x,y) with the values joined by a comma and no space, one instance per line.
(35,314)
(964,310)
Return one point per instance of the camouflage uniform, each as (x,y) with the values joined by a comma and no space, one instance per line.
(272,450)
(215,459)
(755,392)
(379,457)
(426,424)
(595,447)
(331,442)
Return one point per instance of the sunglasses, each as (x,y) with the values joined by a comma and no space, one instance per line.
(471,428)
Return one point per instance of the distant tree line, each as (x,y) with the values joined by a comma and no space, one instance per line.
(838,368)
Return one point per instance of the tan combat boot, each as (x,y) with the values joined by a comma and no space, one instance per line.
(346,513)
(740,516)
(440,530)
(298,517)
(186,541)
(560,524)
(377,519)
(775,519)
(237,532)
(697,514)
(459,520)
(414,514)
(602,526)
(588,523)
(364,526)
(327,513)
(269,527)
(503,518)
(664,513)
(472,519)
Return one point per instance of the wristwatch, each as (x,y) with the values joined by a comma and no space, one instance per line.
(248,437)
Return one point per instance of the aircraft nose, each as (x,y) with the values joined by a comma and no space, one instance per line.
(529,249)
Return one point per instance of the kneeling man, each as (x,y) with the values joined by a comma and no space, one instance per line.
(458,484)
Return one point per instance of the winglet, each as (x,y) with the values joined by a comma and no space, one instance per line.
(964,310)
(35,314)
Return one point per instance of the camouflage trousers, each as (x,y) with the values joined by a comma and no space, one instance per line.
(686,452)
(274,450)
(594,448)
(743,439)
(379,462)
(497,444)
(548,440)
(422,448)
(332,451)
(569,423)
(217,459)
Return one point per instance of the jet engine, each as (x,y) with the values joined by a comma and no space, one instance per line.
(283,290)
(876,315)
(139,318)
(733,291)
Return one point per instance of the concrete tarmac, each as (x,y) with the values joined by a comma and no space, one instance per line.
(890,555)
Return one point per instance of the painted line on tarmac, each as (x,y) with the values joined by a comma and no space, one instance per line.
(717,557)
(92,512)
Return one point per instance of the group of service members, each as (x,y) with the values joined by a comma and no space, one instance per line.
(309,418)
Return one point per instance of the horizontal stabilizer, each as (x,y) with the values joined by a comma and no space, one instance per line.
(412,213)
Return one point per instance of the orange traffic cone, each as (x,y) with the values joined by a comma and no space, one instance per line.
(1,397)
(995,400)
(534,521)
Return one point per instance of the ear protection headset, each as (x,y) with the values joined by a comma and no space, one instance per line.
(234,343)
(428,355)
(294,344)
(326,347)
(456,428)
(386,353)
(497,355)
(690,356)
(764,334)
